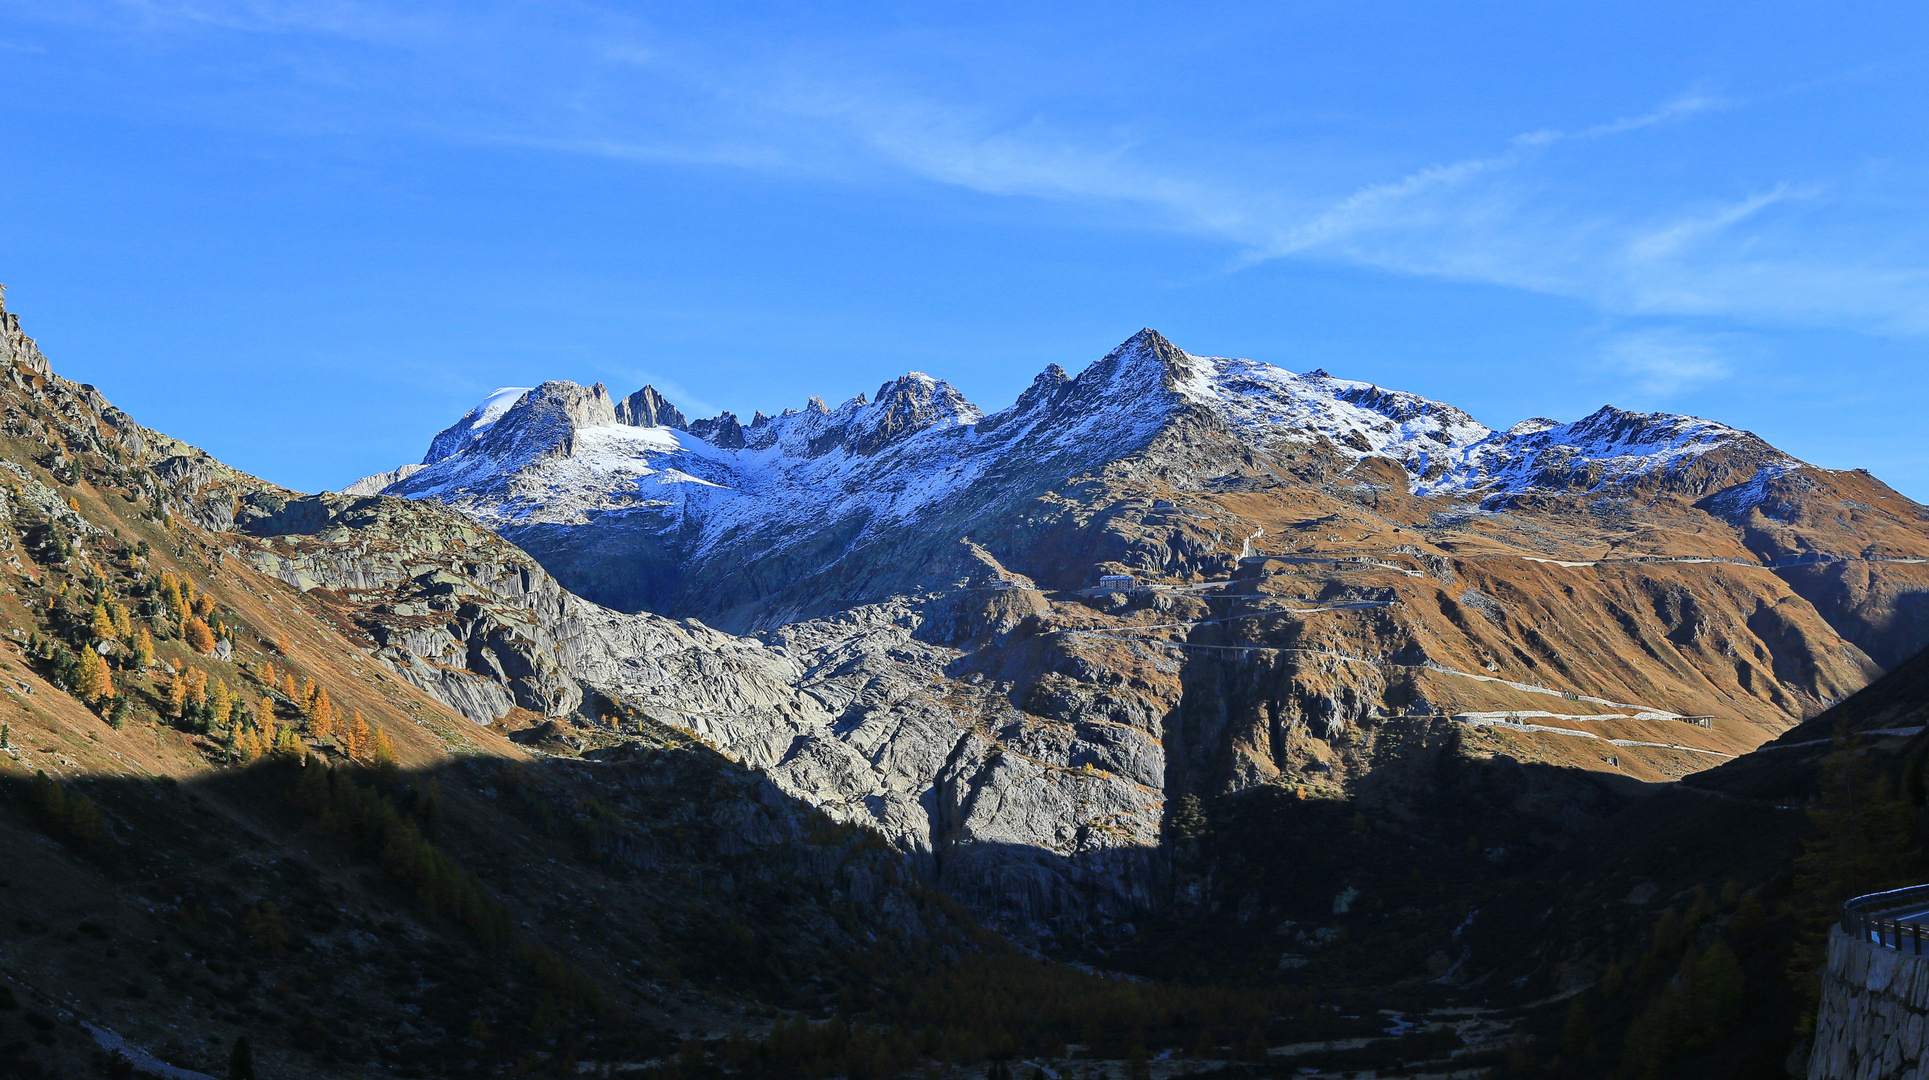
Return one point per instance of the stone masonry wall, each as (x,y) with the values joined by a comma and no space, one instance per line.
(1874,1016)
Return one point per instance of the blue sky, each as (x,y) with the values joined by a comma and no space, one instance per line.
(307,235)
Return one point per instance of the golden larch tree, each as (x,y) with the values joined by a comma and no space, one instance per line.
(356,735)
(321,715)
(177,694)
(384,749)
(96,684)
(198,635)
(103,624)
(222,701)
(322,711)
(143,649)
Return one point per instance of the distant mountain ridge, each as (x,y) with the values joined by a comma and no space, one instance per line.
(1444,450)
(672,502)
(891,608)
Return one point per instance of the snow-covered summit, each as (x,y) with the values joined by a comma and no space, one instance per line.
(1608,448)
(565,466)
(1358,419)
(904,407)
(460,434)
(918,422)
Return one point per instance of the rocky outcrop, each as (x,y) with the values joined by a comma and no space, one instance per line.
(1046,824)
(1336,565)
(1873,1021)
(15,346)
(647,408)
(369,485)
(918,646)
(723,431)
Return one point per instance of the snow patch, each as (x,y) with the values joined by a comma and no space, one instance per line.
(919,446)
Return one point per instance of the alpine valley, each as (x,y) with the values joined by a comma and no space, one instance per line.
(1186,716)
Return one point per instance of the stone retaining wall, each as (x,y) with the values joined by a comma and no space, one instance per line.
(1874,1017)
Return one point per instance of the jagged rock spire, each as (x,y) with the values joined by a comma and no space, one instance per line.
(907,405)
(723,431)
(15,346)
(547,418)
(647,408)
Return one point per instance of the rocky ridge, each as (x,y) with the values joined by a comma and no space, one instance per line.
(1340,580)
(1313,620)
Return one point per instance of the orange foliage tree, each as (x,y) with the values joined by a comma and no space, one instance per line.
(197,634)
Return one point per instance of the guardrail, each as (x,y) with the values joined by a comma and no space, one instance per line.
(1897,919)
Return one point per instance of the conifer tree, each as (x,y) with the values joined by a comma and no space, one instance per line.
(222,701)
(384,749)
(123,622)
(356,735)
(289,690)
(143,649)
(204,605)
(270,737)
(287,742)
(197,686)
(177,695)
(306,702)
(95,685)
(268,677)
(197,634)
(321,715)
(103,626)
(171,592)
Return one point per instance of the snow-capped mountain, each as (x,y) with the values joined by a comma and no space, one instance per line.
(633,505)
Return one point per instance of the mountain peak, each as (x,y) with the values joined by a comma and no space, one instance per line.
(647,408)
(906,405)
(547,418)
(1148,362)
(458,436)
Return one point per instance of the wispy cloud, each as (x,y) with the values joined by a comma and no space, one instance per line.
(1663,363)
(1553,210)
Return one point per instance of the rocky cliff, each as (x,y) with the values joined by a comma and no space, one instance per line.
(1329,577)
(190,853)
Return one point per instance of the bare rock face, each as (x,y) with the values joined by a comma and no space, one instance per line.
(647,408)
(1328,575)
(723,431)
(902,617)
(854,714)
(15,346)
